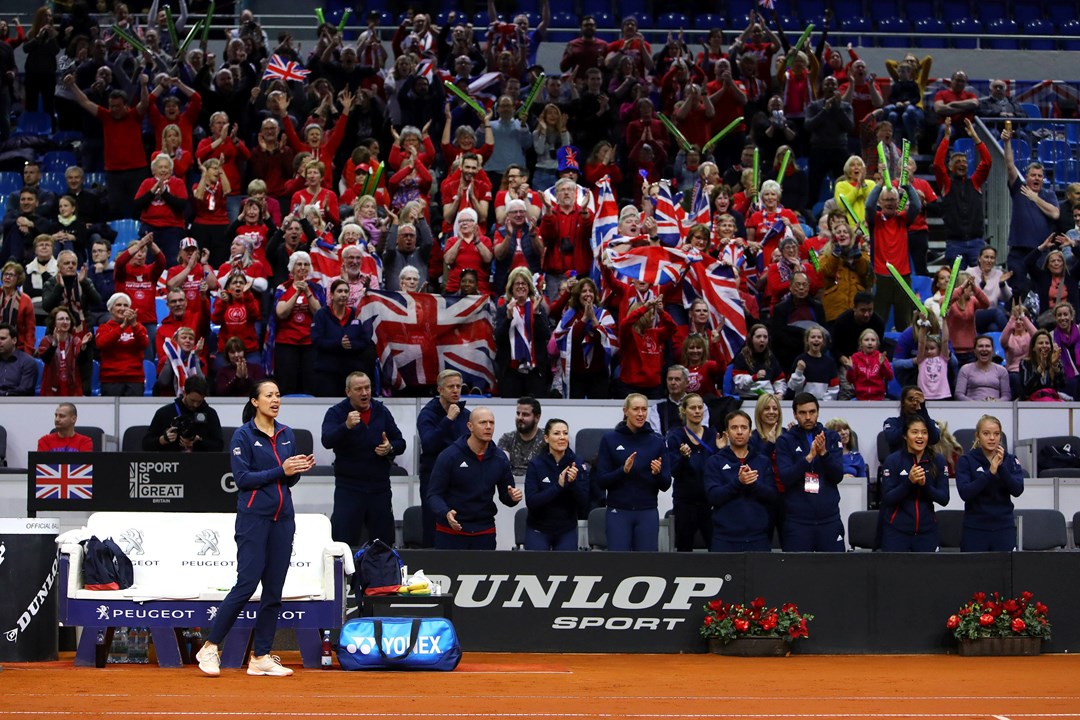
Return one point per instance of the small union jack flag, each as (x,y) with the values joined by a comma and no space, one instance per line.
(767,4)
(277,67)
(64,482)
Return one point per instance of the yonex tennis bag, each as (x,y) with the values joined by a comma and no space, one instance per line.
(398,643)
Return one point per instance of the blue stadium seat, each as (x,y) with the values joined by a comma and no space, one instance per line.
(34,123)
(856,24)
(1061,12)
(923,286)
(990,10)
(951,11)
(636,9)
(1051,151)
(1067,171)
(672,21)
(844,10)
(126,231)
(1002,26)
(95,378)
(40,373)
(929,25)
(996,338)
(91,179)
(708,21)
(738,11)
(1072,133)
(39,333)
(1021,151)
(1026,13)
(885,9)
(969,27)
(162,308)
(894,25)
(9,182)
(54,182)
(564,20)
(58,161)
(919,9)
(1071,30)
(593,7)
(150,375)
(1038,27)
(729,382)
(1031,109)
(810,10)
(67,138)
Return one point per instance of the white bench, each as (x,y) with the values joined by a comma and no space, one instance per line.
(185,565)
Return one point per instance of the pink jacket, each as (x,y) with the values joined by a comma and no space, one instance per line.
(1016,347)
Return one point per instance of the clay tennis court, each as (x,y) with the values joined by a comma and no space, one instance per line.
(569,686)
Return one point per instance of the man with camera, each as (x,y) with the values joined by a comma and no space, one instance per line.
(186,424)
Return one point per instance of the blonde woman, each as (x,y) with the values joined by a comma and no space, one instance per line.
(987,479)
(522,332)
(855,187)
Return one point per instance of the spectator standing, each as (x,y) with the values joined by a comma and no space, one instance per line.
(122,341)
(961,196)
(1035,211)
(63,350)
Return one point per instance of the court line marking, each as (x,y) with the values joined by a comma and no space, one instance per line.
(130,713)
(471,696)
(1000,717)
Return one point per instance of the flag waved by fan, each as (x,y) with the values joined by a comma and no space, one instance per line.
(278,68)
(700,213)
(418,335)
(653,264)
(718,285)
(669,216)
(605,223)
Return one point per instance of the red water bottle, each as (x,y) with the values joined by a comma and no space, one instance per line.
(327,660)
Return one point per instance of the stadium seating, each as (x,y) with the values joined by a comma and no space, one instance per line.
(40,372)
(856,24)
(1002,26)
(1037,445)
(969,29)
(598,529)
(672,21)
(520,528)
(708,21)
(412,527)
(587,444)
(950,528)
(1027,13)
(150,375)
(1041,529)
(1038,27)
(34,123)
(1071,30)
(1067,171)
(58,161)
(131,441)
(9,182)
(930,25)
(126,231)
(1076,529)
(894,25)
(563,20)
(1031,109)
(54,182)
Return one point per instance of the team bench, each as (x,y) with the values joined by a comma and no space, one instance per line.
(185,564)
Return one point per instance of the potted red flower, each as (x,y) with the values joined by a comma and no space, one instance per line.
(754,629)
(993,625)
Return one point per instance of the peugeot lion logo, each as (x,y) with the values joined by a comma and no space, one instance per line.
(102,612)
(132,540)
(209,540)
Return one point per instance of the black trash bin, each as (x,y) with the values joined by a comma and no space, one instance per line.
(28,576)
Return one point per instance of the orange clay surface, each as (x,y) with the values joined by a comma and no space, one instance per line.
(568,686)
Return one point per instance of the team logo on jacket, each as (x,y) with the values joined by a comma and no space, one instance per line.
(463,464)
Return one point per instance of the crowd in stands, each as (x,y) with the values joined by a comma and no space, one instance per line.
(268,191)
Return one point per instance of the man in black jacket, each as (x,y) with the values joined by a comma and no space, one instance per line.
(186,424)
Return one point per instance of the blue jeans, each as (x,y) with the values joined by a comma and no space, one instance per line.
(967,249)
(907,122)
(632,529)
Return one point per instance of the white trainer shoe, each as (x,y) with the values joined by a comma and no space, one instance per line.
(209,660)
(267,665)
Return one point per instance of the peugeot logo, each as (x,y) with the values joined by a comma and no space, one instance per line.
(133,540)
(209,540)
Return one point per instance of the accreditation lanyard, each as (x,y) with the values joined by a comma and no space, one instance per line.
(701,443)
(811,483)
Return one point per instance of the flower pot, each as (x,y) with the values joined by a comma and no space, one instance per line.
(1018,645)
(751,647)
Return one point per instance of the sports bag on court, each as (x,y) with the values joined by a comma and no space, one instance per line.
(398,643)
(378,569)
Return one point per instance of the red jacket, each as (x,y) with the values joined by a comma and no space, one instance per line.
(186,122)
(229,153)
(575,226)
(325,152)
(869,375)
(122,351)
(140,284)
(643,355)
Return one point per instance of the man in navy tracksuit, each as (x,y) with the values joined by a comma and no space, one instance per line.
(740,486)
(440,423)
(810,462)
(365,439)
(632,466)
(462,485)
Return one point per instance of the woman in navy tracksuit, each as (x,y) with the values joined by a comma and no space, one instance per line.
(741,487)
(913,480)
(264,470)
(912,402)
(987,478)
(689,449)
(556,492)
(632,466)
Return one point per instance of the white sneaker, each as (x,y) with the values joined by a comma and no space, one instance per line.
(209,660)
(267,665)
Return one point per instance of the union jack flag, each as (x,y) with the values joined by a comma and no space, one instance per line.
(418,335)
(64,482)
(718,285)
(767,4)
(605,223)
(653,264)
(699,208)
(669,216)
(278,68)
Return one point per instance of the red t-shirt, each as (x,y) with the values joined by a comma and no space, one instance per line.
(761,221)
(449,188)
(469,258)
(211,209)
(237,319)
(123,144)
(190,286)
(890,243)
(295,329)
(726,107)
(54,443)
(159,214)
(122,350)
(139,283)
(327,200)
(948,96)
